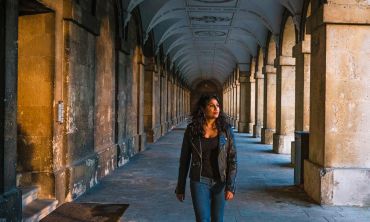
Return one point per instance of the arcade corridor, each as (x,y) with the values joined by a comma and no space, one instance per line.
(265,190)
(93,91)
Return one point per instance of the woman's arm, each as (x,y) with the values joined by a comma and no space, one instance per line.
(184,163)
(231,164)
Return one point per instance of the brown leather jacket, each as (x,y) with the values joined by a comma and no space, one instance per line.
(191,150)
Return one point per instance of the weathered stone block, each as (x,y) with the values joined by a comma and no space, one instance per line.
(337,186)
(267,136)
(282,143)
(257,131)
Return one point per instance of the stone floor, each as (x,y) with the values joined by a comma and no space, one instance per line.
(264,187)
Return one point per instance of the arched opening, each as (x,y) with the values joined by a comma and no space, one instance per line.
(285,90)
(302,54)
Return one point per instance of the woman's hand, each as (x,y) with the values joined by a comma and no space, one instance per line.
(180,197)
(229,195)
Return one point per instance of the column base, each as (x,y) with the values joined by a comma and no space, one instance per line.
(337,186)
(257,130)
(163,129)
(243,127)
(153,134)
(250,128)
(142,142)
(236,124)
(282,143)
(267,135)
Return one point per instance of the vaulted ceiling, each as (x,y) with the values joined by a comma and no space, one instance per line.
(207,39)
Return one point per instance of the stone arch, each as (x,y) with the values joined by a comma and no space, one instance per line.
(285,88)
(302,54)
(306,12)
(270,52)
(288,37)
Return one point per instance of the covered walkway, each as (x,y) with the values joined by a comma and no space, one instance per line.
(264,193)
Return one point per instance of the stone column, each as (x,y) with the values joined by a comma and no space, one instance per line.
(243,108)
(174,102)
(259,78)
(237,110)
(285,99)
(250,97)
(163,102)
(302,54)
(227,100)
(234,103)
(224,99)
(169,101)
(151,102)
(11,197)
(269,105)
(337,171)
(140,130)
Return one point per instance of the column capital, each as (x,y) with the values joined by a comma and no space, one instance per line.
(269,69)
(251,79)
(330,13)
(284,61)
(258,75)
(303,47)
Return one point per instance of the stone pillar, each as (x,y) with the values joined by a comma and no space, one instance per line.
(250,97)
(234,103)
(163,102)
(302,54)
(243,108)
(227,100)
(285,99)
(169,101)
(152,102)
(259,78)
(11,197)
(237,110)
(337,171)
(140,130)
(174,101)
(269,105)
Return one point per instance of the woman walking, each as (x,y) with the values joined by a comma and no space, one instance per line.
(209,150)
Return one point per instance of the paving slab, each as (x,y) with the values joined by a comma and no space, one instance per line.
(265,190)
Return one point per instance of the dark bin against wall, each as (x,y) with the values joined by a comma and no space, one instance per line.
(301,153)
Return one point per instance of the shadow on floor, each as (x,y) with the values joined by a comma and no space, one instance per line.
(290,195)
(284,164)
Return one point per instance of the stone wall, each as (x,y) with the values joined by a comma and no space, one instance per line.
(35,96)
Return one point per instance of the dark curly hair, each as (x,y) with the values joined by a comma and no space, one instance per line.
(198,117)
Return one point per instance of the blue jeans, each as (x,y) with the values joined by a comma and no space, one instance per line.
(208,200)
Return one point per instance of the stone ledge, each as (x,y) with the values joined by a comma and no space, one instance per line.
(284,61)
(303,47)
(339,14)
(81,17)
(282,143)
(269,69)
